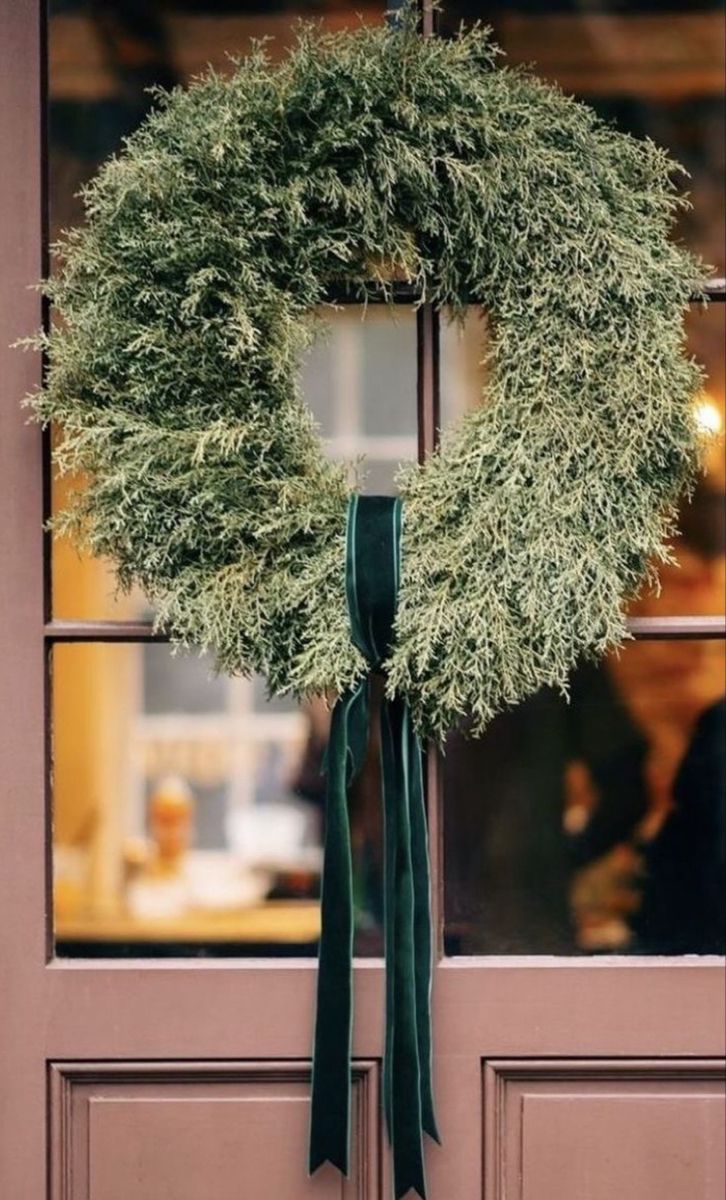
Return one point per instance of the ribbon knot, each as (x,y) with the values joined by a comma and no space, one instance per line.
(373,571)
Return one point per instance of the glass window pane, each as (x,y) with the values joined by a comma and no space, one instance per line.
(655,68)
(696,583)
(188,811)
(102,60)
(365,405)
(596,826)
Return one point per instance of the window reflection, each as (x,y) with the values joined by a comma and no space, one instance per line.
(103,55)
(153,758)
(654,67)
(188,810)
(598,825)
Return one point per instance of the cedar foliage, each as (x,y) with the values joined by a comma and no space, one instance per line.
(187,300)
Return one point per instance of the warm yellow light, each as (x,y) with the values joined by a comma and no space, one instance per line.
(708,417)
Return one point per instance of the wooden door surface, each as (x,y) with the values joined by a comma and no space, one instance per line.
(558,1077)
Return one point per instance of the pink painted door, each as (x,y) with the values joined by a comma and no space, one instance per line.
(156,1024)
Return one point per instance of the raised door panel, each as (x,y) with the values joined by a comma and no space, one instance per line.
(595,1130)
(191,1131)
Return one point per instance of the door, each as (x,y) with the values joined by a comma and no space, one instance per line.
(158,967)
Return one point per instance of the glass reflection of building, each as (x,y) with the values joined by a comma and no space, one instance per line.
(188,807)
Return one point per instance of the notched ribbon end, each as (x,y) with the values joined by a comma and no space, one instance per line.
(409,1189)
(432,1129)
(319,1160)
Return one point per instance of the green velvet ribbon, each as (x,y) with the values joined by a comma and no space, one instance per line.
(373,570)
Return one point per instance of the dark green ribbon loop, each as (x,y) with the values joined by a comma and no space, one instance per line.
(373,568)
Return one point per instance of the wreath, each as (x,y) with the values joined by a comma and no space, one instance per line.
(187,301)
(212,242)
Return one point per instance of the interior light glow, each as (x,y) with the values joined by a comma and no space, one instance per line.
(708,417)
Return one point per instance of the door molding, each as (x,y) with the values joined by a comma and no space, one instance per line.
(82,1095)
(558,1117)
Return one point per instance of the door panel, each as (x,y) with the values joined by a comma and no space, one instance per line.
(638,1131)
(191,1130)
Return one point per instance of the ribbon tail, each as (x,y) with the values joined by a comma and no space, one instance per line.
(331,1076)
(389,774)
(402,1071)
(422,926)
(373,561)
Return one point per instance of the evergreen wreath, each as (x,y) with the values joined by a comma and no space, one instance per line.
(187,301)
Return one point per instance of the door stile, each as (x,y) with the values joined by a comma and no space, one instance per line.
(23,880)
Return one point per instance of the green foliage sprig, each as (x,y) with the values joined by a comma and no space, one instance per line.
(187,300)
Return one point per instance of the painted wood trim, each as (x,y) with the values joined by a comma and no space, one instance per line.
(498,1074)
(24,873)
(505,1008)
(502,1070)
(641,628)
(65,1077)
